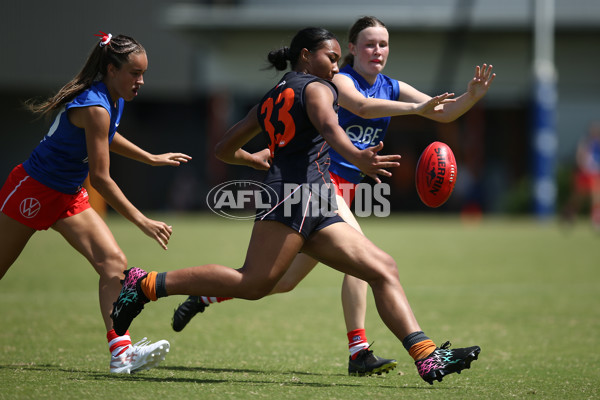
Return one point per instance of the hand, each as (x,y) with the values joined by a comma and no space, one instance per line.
(373,164)
(173,159)
(261,160)
(479,85)
(157,230)
(431,106)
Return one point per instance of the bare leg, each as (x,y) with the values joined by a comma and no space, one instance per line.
(272,249)
(301,266)
(13,238)
(348,251)
(354,302)
(354,290)
(88,234)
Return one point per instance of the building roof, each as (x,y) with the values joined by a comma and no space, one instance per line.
(398,15)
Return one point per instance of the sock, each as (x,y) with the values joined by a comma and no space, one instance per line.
(117,344)
(161,285)
(418,345)
(148,285)
(211,300)
(422,349)
(357,341)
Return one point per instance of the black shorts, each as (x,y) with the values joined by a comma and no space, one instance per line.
(305,208)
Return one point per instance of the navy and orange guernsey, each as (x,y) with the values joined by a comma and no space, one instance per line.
(362,132)
(299,172)
(60,161)
(300,154)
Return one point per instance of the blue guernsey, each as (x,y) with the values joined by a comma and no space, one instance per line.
(60,161)
(363,133)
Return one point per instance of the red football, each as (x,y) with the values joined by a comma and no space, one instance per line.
(435,175)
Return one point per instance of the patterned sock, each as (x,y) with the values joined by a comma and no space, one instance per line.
(117,344)
(211,300)
(422,349)
(418,345)
(357,341)
(148,285)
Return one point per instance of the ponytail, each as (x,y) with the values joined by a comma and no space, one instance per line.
(110,50)
(307,38)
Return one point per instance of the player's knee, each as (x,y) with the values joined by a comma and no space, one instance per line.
(112,265)
(259,289)
(284,286)
(385,269)
(389,265)
(257,293)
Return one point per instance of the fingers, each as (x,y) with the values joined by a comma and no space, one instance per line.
(484,72)
(377,164)
(162,244)
(376,179)
(163,235)
(173,159)
(380,172)
(377,147)
(443,99)
(179,157)
(389,158)
(384,172)
(491,77)
(382,163)
(385,165)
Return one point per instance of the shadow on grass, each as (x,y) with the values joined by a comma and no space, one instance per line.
(240,370)
(144,376)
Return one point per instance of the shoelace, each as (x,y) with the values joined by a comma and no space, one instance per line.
(446,345)
(369,346)
(368,349)
(142,343)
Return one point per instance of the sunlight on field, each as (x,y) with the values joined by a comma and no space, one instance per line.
(526,292)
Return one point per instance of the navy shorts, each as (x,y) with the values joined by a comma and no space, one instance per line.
(306,208)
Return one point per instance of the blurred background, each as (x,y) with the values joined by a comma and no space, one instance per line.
(515,149)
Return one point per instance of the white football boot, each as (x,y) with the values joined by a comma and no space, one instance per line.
(139,357)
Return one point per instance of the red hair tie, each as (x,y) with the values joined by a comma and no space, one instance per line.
(105,38)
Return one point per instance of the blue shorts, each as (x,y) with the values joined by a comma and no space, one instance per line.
(305,208)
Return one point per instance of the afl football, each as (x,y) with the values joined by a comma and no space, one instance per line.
(435,175)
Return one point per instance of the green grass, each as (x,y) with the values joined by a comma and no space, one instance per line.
(527,293)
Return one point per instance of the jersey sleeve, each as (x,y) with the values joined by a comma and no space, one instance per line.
(89,98)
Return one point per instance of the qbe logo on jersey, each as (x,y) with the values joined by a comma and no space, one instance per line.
(241,199)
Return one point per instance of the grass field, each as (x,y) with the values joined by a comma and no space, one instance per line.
(528,293)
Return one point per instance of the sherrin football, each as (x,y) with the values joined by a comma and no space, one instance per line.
(435,175)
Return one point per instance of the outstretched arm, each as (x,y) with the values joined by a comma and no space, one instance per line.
(368,108)
(476,89)
(319,100)
(120,145)
(95,121)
